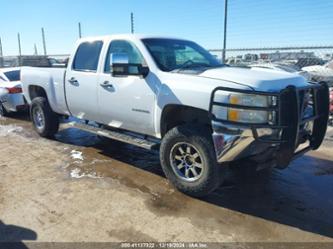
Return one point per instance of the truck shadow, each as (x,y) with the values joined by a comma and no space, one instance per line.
(299,196)
(17,116)
(12,236)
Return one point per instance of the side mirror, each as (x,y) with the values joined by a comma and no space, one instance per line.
(120,66)
(119,63)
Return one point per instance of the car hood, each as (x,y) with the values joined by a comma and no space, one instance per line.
(259,80)
(318,69)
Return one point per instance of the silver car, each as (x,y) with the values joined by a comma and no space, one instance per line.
(281,67)
(321,73)
(11,96)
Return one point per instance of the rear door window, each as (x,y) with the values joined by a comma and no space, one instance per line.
(87,56)
(13,75)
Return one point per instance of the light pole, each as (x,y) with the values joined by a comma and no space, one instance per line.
(132,23)
(35,49)
(44,42)
(19,44)
(225,29)
(80,32)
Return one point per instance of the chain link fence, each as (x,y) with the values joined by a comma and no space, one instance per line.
(34,61)
(314,63)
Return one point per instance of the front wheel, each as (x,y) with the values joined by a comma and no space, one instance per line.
(45,121)
(188,160)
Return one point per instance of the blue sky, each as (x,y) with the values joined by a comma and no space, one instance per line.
(251,23)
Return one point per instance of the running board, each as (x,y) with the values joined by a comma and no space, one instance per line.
(116,135)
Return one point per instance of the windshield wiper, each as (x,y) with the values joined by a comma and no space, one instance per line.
(220,65)
(190,64)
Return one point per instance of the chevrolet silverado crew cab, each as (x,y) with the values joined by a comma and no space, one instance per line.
(172,95)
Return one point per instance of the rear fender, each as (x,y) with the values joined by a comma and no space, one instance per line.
(34,78)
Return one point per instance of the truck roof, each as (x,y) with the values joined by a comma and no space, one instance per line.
(127,36)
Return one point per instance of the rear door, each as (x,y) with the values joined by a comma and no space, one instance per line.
(82,79)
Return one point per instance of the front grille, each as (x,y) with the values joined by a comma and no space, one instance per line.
(297,110)
(306,103)
(304,113)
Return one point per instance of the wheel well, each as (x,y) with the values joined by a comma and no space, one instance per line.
(36,91)
(174,115)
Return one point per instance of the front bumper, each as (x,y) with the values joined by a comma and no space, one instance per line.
(233,141)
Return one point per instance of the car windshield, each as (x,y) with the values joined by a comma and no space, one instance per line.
(13,75)
(286,68)
(176,55)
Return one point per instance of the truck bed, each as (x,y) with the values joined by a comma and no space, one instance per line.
(53,78)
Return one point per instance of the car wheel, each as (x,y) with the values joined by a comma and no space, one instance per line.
(3,111)
(45,121)
(188,160)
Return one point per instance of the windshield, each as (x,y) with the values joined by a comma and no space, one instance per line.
(170,55)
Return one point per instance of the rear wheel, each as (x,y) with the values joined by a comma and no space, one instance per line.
(3,111)
(188,160)
(45,121)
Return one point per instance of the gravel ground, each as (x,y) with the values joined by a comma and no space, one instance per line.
(76,188)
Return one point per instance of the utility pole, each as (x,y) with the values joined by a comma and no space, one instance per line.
(132,23)
(19,44)
(1,54)
(225,30)
(80,33)
(20,52)
(44,43)
(35,50)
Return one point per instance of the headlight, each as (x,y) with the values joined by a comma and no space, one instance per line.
(233,111)
(249,100)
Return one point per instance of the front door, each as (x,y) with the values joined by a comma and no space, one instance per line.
(126,102)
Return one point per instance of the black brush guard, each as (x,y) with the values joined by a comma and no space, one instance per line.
(290,108)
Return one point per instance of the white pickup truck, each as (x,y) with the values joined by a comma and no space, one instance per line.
(173,95)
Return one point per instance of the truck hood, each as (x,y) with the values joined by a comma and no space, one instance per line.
(259,80)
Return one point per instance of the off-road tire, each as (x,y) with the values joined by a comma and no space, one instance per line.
(201,138)
(51,119)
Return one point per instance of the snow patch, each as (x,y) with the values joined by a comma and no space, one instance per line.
(76,155)
(6,130)
(77,173)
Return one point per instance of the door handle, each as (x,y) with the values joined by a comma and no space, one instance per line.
(73,81)
(106,84)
